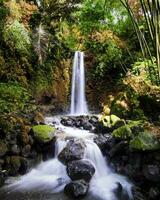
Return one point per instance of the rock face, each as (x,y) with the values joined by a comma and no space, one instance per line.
(76,189)
(43,133)
(74,150)
(81,169)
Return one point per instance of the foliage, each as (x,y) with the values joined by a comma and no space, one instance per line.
(13,97)
(140,68)
(146,25)
(107,51)
(17,38)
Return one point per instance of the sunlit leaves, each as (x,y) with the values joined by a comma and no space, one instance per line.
(17,38)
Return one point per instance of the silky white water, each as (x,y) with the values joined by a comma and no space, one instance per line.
(51,176)
(78,99)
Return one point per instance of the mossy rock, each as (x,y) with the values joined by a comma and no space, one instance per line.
(136,126)
(116,122)
(144,141)
(123,132)
(111,121)
(105,121)
(43,133)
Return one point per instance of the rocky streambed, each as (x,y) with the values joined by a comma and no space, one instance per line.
(129,148)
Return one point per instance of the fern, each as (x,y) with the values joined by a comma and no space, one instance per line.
(41,43)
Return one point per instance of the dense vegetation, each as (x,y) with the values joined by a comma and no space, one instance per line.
(38,39)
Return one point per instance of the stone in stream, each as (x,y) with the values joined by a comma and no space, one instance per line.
(74,150)
(80,169)
(120,193)
(76,189)
(102,142)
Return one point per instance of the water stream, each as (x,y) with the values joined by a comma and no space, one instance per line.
(50,177)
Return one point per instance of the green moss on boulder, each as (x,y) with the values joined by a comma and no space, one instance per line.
(111,121)
(144,141)
(43,133)
(123,132)
(136,126)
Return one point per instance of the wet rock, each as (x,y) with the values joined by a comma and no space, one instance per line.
(68,122)
(120,193)
(3,148)
(81,169)
(93,120)
(102,142)
(74,150)
(76,189)
(154,193)
(87,126)
(152,172)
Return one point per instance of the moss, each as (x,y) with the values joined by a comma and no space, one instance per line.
(105,121)
(123,132)
(144,141)
(111,121)
(136,126)
(43,133)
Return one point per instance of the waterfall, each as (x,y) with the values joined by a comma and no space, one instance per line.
(78,99)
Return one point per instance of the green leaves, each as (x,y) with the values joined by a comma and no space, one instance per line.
(17,38)
(13,97)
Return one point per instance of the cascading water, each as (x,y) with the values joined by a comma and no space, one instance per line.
(51,176)
(78,99)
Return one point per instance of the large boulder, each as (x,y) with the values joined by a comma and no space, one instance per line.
(80,169)
(144,141)
(76,189)
(74,150)
(43,133)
